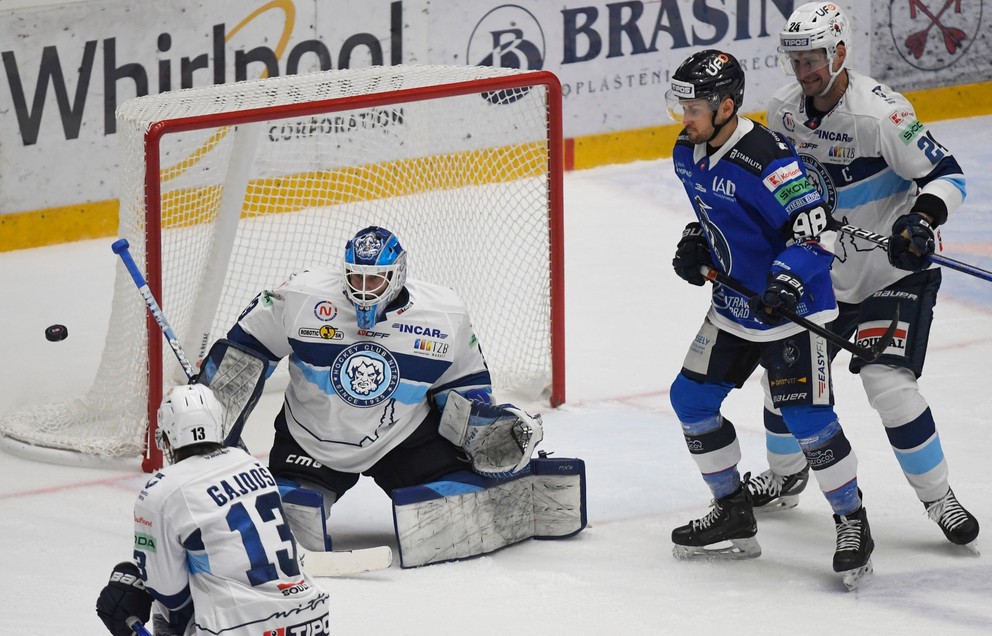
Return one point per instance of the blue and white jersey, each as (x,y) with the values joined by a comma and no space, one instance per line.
(870,158)
(210,530)
(355,394)
(746,195)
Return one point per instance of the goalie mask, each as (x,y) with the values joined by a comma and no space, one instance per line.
(190,414)
(374,273)
(810,39)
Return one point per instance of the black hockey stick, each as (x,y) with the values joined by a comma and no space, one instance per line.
(868,354)
(950,263)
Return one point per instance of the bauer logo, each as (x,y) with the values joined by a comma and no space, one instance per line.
(508,36)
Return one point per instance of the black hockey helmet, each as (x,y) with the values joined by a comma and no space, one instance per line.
(710,75)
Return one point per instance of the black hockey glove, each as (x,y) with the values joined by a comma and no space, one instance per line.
(124,596)
(691,254)
(783,292)
(911,242)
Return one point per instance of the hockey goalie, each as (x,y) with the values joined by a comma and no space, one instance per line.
(388,380)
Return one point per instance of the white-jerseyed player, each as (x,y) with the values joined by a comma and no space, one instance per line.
(878,168)
(212,549)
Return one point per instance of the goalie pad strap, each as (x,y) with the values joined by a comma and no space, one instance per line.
(467,515)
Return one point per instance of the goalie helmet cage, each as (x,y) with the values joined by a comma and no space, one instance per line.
(248,182)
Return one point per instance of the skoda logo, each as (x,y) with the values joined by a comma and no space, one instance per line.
(508,36)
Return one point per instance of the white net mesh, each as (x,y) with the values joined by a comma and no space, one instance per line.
(462,180)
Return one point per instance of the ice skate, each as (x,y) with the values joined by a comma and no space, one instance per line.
(854,547)
(730,522)
(959,526)
(773,493)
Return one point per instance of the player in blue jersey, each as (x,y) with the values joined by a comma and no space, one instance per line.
(387,379)
(761,222)
(878,168)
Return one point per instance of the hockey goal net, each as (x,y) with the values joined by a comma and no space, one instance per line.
(226,190)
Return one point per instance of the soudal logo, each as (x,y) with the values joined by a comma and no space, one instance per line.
(419,330)
(65,74)
(290,589)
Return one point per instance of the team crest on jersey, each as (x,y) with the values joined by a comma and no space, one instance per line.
(365,374)
(821,180)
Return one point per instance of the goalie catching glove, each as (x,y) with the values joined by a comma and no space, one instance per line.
(499,439)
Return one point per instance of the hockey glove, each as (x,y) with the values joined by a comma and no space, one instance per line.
(692,253)
(912,241)
(499,439)
(783,292)
(123,596)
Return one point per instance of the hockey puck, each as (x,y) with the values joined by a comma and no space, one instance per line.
(56,333)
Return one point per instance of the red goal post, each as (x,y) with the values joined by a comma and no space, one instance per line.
(225,190)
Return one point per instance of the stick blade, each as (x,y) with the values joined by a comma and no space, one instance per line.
(346,562)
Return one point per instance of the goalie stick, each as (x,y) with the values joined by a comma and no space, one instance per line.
(341,563)
(346,562)
(868,354)
(950,263)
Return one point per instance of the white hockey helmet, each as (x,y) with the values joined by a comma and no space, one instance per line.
(190,414)
(814,26)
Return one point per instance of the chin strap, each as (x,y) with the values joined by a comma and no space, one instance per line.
(718,127)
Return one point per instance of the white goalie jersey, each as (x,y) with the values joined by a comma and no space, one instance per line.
(870,158)
(355,394)
(210,530)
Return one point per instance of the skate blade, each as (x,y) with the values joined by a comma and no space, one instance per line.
(858,576)
(973,547)
(787,502)
(738,549)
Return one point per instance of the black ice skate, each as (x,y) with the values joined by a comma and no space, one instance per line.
(772,493)
(959,526)
(854,547)
(731,519)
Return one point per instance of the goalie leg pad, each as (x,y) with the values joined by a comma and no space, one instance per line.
(467,515)
(306,511)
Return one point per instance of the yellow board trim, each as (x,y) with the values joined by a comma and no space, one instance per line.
(37,228)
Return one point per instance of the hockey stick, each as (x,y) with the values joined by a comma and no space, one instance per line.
(868,354)
(950,263)
(120,248)
(137,626)
(342,563)
(346,562)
